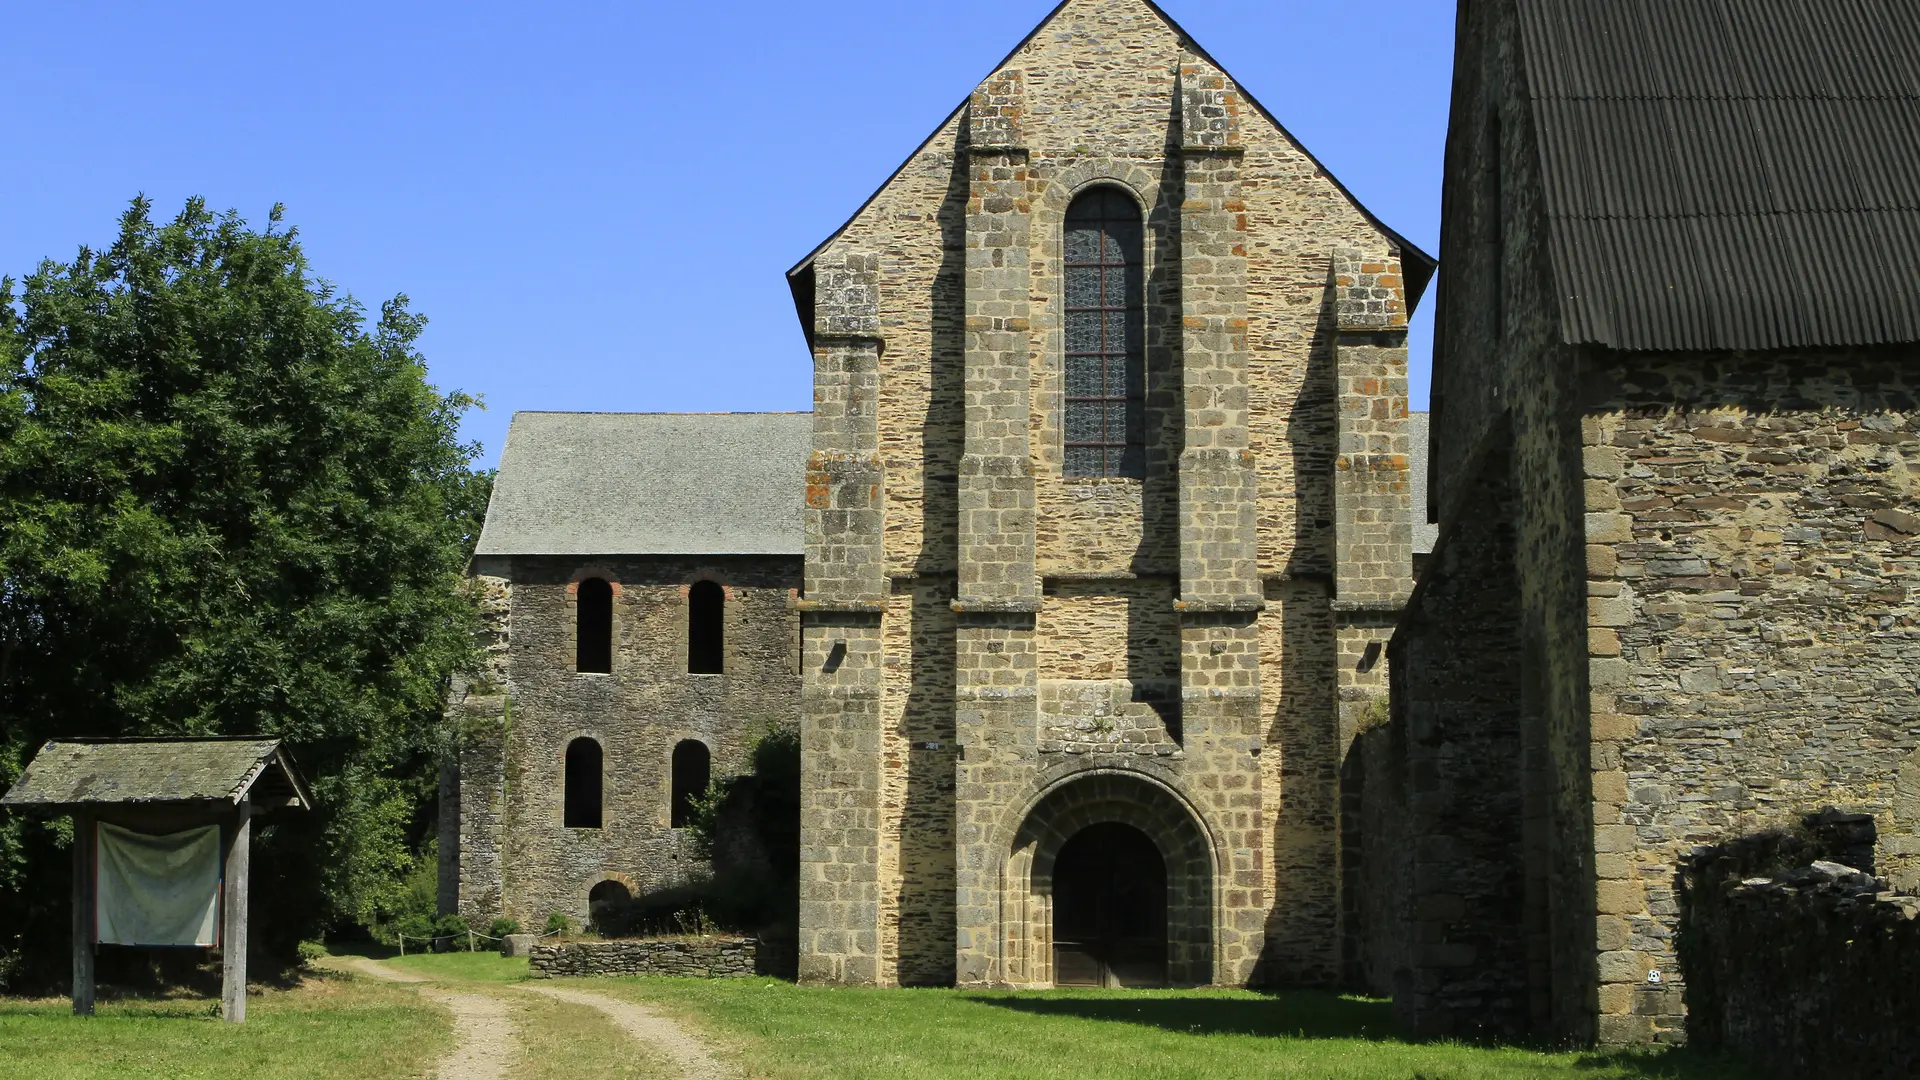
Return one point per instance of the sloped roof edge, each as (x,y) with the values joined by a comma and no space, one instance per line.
(1419,274)
(89,771)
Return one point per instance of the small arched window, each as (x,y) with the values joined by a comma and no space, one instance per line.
(706,629)
(581,799)
(593,628)
(692,772)
(1106,335)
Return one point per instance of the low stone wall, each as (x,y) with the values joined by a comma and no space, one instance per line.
(703,957)
(1810,971)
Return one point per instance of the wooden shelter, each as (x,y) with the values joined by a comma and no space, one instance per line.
(154,787)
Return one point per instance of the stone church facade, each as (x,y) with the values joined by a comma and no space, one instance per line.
(1076,579)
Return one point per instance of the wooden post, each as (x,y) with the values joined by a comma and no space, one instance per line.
(233,917)
(83,870)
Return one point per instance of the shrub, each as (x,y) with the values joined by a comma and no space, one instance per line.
(502,927)
(558,924)
(455,930)
(749,828)
(416,930)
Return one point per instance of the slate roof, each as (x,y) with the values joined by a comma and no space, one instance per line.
(103,772)
(1416,265)
(650,484)
(1730,174)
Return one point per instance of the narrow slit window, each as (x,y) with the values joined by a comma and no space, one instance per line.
(692,773)
(582,797)
(706,629)
(593,629)
(1106,336)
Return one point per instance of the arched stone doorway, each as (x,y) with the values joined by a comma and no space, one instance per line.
(606,902)
(1109,909)
(1110,882)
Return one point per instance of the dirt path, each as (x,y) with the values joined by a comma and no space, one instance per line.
(484,1033)
(650,1028)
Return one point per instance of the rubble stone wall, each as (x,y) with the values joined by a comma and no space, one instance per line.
(516,856)
(1810,971)
(1753,532)
(708,958)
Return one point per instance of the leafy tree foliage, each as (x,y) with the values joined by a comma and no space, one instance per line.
(229,504)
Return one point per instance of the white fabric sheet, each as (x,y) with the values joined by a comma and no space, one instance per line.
(157,890)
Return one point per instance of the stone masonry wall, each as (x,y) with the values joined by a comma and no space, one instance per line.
(1753,534)
(638,713)
(1241,228)
(1451,865)
(1504,389)
(473,788)
(706,958)
(1814,970)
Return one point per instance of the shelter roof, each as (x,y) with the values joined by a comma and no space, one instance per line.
(1729,175)
(1416,265)
(105,772)
(650,484)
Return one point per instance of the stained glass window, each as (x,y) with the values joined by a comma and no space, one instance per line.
(1106,331)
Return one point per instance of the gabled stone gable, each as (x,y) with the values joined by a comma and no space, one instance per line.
(1034,627)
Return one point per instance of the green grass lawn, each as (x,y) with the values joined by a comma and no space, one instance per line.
(326,1028)
(777,1030)
(461,966)
(330,1027)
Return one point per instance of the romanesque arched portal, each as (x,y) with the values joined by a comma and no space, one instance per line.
(1124,833)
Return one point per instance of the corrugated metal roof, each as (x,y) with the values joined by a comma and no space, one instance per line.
(103,772)
(1730,174)
(650,484)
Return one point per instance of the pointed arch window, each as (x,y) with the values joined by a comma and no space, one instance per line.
(593,627)
(706,629)
(692,773)
(581,800)
(1106,335)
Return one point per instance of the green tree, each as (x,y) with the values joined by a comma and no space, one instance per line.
(228,504)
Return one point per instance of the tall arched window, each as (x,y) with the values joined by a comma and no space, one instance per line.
(706,629)
(593,628)
(692,772)
(581,799)
(1106,336)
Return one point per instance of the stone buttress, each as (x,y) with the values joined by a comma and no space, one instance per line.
(1220,587)
(841,649)
(998,587)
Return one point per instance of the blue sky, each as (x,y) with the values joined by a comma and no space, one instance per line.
(595,204)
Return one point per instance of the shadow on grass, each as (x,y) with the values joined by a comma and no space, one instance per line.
(1286,1014)
(1676,1063)
(1307,1014)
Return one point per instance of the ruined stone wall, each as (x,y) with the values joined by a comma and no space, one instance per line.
(1753,534)
(700,958)
(1093,671)
(473,788)
(1813,969)
(513,764)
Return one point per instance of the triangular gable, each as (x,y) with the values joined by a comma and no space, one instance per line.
(1417,266)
